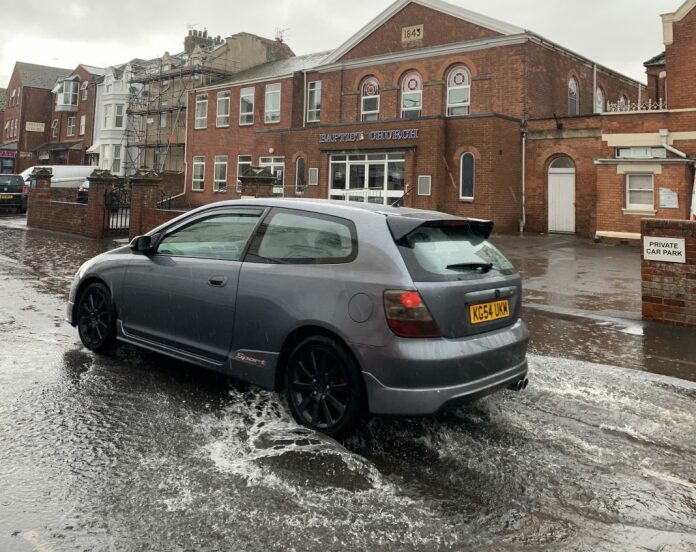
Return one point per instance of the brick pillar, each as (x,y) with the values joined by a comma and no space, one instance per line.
(144,195)
(39,194)
(99,182)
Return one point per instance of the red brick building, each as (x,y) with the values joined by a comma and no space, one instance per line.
(600,175)
(428,101)
(72,118)
(27,113)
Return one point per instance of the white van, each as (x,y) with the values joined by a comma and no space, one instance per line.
(64,176)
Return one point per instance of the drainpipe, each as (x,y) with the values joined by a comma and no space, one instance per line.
(664,135)
(594,88)
(304,102)
(523,219)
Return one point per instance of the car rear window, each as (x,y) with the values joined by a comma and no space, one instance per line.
(11,183)
(441,252)
(297,237)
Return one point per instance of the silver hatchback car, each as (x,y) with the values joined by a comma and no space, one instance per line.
(349,308)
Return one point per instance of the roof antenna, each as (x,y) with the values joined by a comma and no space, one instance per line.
(399,202)
(280,34)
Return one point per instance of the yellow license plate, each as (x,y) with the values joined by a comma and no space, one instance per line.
(6,196)
(485,312)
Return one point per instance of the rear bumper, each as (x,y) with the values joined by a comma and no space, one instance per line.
(419,377)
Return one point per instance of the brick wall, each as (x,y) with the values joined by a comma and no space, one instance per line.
(669,289)
(679,57)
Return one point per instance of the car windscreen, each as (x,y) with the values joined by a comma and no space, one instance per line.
(11,183)
(443,251)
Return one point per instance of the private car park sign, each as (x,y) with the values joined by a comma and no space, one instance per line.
(667,250)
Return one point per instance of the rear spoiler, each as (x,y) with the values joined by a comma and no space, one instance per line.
(401,226)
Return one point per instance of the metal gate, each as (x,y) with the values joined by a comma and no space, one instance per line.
(117,205)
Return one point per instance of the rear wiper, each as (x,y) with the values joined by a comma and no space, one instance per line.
(483,267)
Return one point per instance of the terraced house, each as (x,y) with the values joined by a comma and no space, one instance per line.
(428,103)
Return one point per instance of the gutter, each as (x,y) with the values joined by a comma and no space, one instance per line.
(664,135)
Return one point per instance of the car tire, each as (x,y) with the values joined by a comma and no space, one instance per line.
(324,387)
(96,318)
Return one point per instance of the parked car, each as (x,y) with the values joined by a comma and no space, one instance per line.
(64,176)
(13,193)
(349,308)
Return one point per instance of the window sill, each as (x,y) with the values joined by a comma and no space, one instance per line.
(222,126)
(200,128)
(272,122)
(246,124)
(466,200)
(640,212)
(220,191)
(197,191)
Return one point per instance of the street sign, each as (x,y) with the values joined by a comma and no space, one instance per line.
(666,250)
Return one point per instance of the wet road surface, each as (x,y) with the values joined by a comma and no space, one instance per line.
(137,452)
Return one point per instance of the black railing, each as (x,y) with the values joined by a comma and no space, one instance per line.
(117,205)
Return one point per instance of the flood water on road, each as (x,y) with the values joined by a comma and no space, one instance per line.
(137,452)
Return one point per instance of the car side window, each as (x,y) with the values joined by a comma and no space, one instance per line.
(297,237)
(221,237)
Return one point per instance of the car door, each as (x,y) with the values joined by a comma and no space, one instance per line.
(183,295)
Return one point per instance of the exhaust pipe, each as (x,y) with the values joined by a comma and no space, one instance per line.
(519,385)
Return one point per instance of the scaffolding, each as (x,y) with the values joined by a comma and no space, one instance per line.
(155,133)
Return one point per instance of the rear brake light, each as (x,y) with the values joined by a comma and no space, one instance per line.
(407,315)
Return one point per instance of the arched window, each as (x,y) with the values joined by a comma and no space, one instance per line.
(600,102)
(467,176)
(300,182)
(458,91)
(562,162)
(369,91)
(411,95)
(573,97)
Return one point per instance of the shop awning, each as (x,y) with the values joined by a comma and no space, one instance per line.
(58,146)
(12,146)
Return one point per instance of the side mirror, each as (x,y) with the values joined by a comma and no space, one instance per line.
(141,244)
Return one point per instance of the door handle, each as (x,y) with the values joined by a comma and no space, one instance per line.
(217,281)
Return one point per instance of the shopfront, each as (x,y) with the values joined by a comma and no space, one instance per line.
(7,161)
(367,177)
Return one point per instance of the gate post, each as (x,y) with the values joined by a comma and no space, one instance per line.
(144,195)
(39,192)
(99,182)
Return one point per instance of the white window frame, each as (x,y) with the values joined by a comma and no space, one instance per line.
(70,128)
(372,114)
(54,128)
(313,177)
(300,183)
(242,161)
(108,115)
(83,124)
(119,113)
(222,114)
(600,101)
(198,182)
(201,121)
(108,85)
(275,164)
(116,159)
(573,97)
(220,184)
(639,206)
(246,93)
(84,90)
(69,92)
(425,185)
(314,102)
(271,115)
(105,159)
(406,92)
(473,176)
(466,85)
(382,194)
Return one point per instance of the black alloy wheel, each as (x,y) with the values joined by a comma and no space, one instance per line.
(96,320)
(324,387)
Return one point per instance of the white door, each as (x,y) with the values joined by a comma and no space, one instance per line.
(562,200)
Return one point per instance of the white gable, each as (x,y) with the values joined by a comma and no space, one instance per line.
(668,20)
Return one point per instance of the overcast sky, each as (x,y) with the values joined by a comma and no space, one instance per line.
(620,34)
